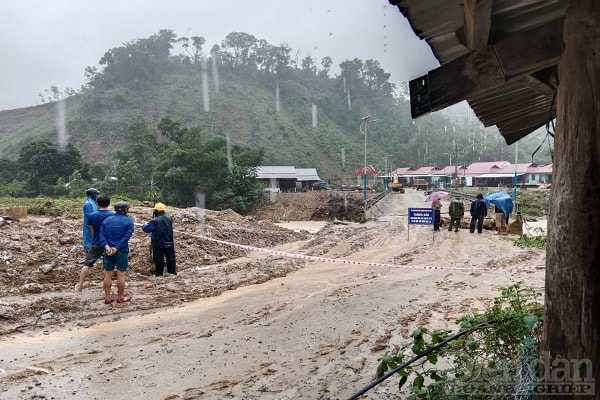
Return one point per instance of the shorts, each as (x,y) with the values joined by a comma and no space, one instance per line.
(500,222)
(93,255)
(120,260)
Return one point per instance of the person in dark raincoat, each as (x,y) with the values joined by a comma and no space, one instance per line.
(163,245)
(478,212)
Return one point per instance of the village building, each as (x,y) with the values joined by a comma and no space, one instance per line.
(479,174)
(284,178)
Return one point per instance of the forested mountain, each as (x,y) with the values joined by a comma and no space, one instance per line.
(252,94)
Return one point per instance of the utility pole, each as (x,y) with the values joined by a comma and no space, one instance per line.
(385,179)
(386,163)
(450,156)
(456,163)
(366,120)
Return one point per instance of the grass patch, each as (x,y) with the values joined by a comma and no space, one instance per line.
(50,206)
(537,242)
(44,205)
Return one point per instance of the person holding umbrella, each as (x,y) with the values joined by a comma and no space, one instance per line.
(436,204)
(503,205)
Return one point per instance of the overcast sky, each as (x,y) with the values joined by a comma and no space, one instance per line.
(47,43)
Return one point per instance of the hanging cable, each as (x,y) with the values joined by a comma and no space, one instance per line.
(549,123)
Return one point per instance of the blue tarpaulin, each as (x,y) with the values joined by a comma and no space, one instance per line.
(502,200)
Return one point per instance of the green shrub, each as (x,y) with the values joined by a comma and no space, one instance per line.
(538,242)
(494,358)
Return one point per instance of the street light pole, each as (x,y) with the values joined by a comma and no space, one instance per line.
(366,120)
(386,163)
(450,155)
(385,179)
(456,164)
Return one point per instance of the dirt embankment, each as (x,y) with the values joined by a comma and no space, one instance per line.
(40,260)
(313,206)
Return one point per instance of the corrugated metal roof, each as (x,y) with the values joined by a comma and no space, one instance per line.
(507,82)
(402,170)
(506,175)
(486,167)
(277,172)
(491,169)
(287,172)
(307,174)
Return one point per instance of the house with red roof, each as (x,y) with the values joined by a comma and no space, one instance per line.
(491,173)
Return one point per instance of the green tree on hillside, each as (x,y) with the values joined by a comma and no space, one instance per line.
(366,78)
(141,146)
(193,49)
(42,163)
(308,65)
(8,170)
(172,130)
(125,179)
(243,190)
(202,168)
(241,46)
(134,62)
(326,63)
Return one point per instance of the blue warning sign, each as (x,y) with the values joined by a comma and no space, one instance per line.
(420,216)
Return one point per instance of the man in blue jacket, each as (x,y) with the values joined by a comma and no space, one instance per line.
(478,213)
(95,220)
(163,246)
(89,207)
(115,233)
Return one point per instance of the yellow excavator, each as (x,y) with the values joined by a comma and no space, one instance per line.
(395,185)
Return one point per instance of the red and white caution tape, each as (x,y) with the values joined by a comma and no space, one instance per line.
(367,263)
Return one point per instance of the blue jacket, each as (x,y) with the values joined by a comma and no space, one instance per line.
(95,219)
(89,207)
(161,227)
(478,208)
(116,231)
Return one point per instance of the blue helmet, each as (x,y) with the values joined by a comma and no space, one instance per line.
(122,206)
(93,192)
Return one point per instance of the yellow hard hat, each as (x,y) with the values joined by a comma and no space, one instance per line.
(160,207)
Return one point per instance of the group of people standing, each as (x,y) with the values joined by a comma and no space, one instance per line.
(106,235)
(478,211)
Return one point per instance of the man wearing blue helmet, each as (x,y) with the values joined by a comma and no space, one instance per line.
(89,207)
(115,233)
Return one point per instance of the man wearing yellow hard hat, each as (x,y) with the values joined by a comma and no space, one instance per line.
(163,247)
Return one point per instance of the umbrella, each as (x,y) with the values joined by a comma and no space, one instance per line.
(440,194)
(502,201)
(367,169)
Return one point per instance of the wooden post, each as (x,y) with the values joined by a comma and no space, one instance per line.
(572,291)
